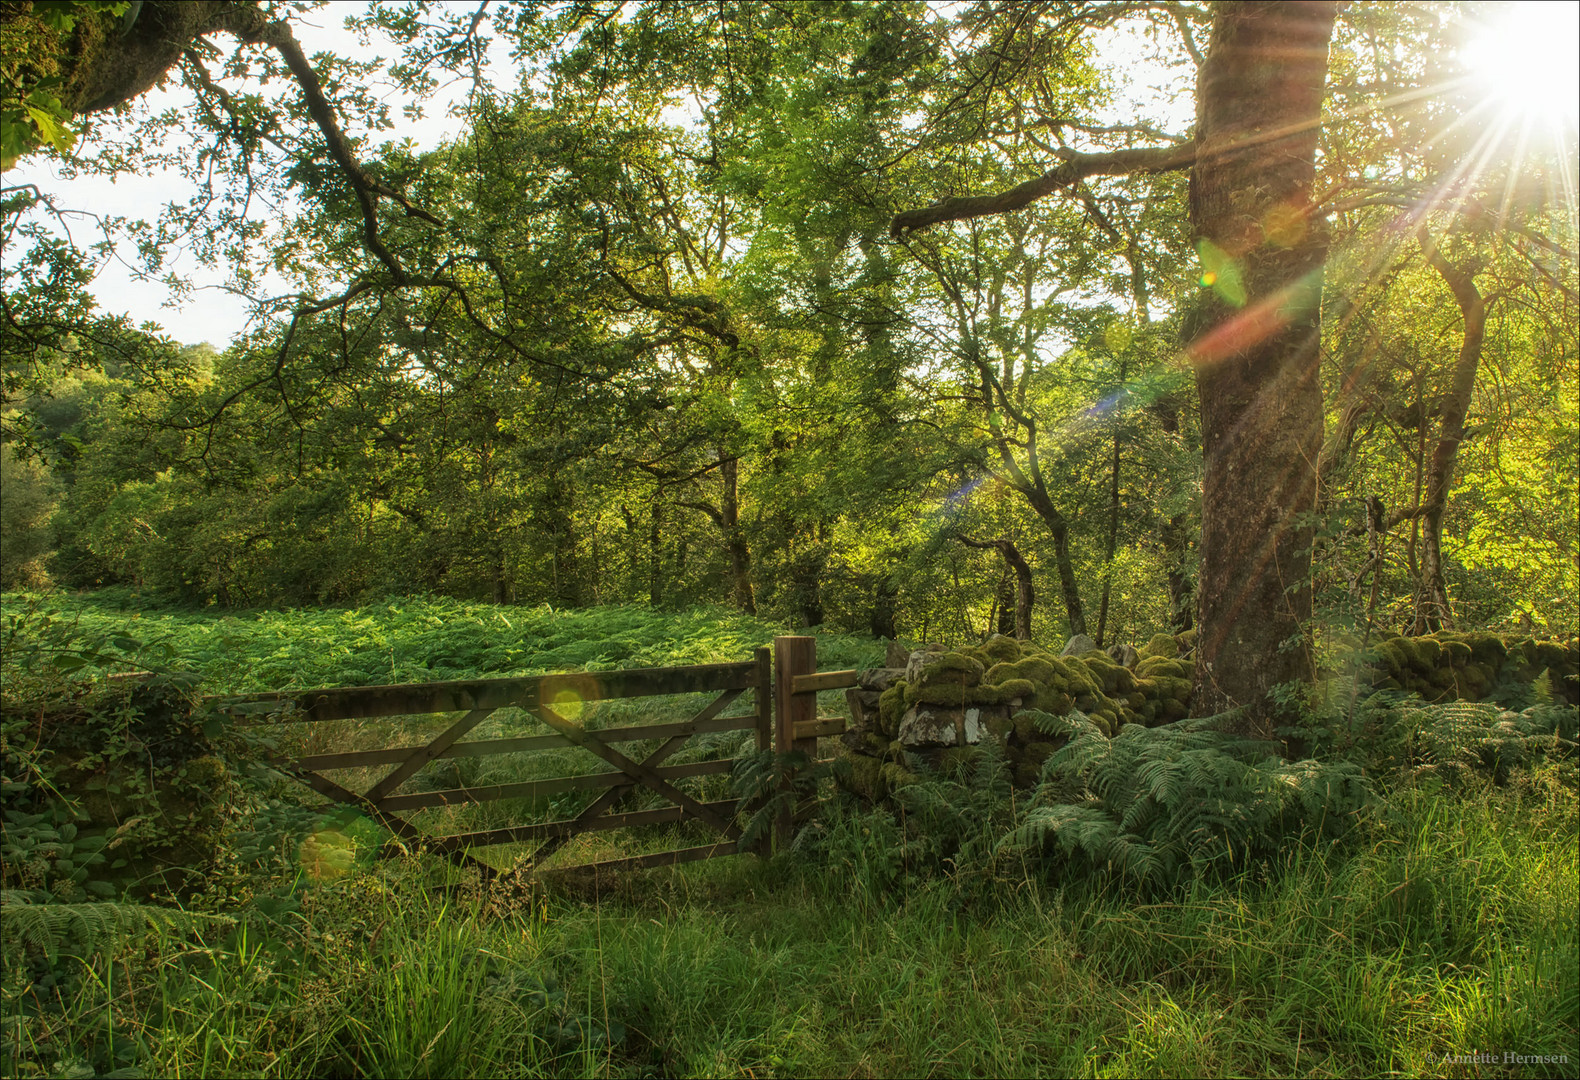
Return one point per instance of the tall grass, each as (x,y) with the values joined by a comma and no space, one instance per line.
(1451,931)
(1440,936)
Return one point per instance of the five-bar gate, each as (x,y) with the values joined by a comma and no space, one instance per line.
(781,710)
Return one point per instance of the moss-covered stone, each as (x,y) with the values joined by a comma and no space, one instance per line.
(1000,649)
(954,668)
(895,776)
(891,705)
(1161,645)
(865,777)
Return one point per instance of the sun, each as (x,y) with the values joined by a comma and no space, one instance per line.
(1525,59)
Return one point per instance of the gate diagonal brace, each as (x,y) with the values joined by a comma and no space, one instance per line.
(638,772)
(424,754)
(608,800)
(409,837)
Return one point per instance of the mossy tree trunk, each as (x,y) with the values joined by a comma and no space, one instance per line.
(1259,105)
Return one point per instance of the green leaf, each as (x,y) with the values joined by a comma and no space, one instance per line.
(51,130)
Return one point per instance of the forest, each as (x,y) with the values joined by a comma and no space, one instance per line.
(1236,345)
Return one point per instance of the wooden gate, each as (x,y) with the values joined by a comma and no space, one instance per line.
(792,725)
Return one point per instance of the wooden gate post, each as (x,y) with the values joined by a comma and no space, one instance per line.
(793,655)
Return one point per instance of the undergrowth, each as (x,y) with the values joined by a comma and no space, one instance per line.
(1169,902)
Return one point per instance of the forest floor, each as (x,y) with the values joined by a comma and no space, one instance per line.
(1442,940)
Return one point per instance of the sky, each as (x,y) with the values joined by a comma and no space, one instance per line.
(214,315)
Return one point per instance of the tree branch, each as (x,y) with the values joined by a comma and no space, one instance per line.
(1074,168)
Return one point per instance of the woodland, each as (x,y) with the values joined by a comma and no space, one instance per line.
(1247,330)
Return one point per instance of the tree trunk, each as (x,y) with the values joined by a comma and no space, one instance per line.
(883,624)
(1113,511)
(655,553)
(1432,611)
(1060,530)
(1004,605)
(1025,595)
(1258,111)
(740,554)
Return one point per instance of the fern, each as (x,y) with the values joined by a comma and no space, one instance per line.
(86,930)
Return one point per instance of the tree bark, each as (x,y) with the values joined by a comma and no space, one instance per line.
(1259,104)
(1432,611)
(1074,611)
(727,516)
(1025,593)
(1113,521)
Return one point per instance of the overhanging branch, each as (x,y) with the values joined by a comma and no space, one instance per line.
(1073,169)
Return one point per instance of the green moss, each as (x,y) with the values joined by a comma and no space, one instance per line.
(1074,676)
(895,776)
(1393,657)
(1001,650)
(950,694)
(1161,645)
(1161,666)
(1456,653)
(955,760)
(953,667)
(999,725)
(891,706)
(1056,702)
(1006,691)
(1038,752)
(866,776)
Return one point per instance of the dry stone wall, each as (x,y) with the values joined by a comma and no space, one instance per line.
(935,707)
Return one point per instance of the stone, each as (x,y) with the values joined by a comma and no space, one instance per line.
(1077,645)
(880,679)
(931,726)
(896,656)
(1124,655)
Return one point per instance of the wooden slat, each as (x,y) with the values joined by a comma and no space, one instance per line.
(406,699)
(823,680)
(589,741)
(658,858)
(534,789)
(823,725)
(352,759)
(613,797)
(515,834)
(765,698)
(419,758)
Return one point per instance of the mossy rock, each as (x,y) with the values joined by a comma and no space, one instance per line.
(1174,689)
(1026,775)
(1000,649)
(865,778)
(1056,702)
(1392,657)
(1033,668)
(891,706)
(1073,676)
(953,695)
(954,668)
(1161,646)
(1005,692)
(1456,653)
(955,761)
(1025,728)
(895,776)
(1162,666)
(999,725)
(1038,752)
